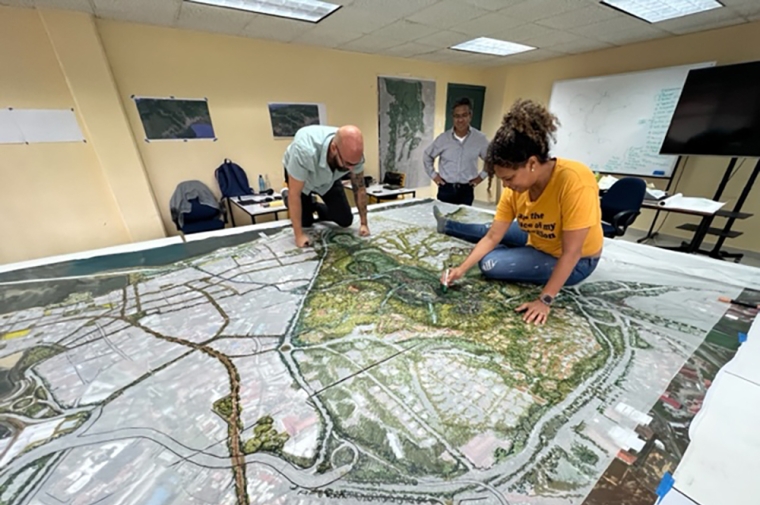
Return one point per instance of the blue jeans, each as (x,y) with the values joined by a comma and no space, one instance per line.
(513,260)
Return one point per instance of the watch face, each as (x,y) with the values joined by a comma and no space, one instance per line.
(547,299)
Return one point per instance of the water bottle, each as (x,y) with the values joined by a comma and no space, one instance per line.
(262,184)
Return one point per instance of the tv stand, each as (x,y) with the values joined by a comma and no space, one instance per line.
(704,228)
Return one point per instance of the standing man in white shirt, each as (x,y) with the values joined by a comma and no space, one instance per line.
(457,150)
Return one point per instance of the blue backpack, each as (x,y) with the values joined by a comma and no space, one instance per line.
(232,180)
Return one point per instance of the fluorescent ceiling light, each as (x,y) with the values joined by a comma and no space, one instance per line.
(313,11)
(655,11)
(485,45)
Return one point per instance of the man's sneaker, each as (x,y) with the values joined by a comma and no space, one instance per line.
(284,194)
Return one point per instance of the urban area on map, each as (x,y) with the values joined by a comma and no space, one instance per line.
(267,374)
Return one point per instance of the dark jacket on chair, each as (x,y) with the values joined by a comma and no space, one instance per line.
(180,204)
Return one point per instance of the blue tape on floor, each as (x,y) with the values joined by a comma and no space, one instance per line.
(666,484)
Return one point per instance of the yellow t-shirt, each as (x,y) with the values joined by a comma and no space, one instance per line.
(569,202)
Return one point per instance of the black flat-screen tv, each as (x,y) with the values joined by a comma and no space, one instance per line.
(718,113)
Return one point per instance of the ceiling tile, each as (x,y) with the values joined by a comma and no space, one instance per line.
(446,14)
(581,45)
(326,37)
(400,8)
(715,18)
(194,16)
(537,55)
(371,43)
(495,62)
(404,31)
(618,23)
(493,5)
(443,56)
(438,56)
(410,49)
(480,59)
(152,12)
(74,5)
(579,17)
(622,30)
(557,37)
(524,32)
(533,10)
(748,9)
(444,39)
(487,25)
(359,19)
(280,29)
(743,8)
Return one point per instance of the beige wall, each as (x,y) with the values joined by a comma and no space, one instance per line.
(116,188)
(239,77)
(702,174)
(54,198)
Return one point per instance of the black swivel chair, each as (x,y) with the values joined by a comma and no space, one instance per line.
(621,205)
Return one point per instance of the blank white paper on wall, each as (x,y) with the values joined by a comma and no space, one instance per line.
(39,125)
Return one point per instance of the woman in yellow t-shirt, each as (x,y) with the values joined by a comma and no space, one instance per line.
(547,229)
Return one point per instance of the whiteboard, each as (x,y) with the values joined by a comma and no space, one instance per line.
(39,125)
(616,123)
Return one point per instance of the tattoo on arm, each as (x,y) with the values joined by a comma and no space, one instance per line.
(360,195)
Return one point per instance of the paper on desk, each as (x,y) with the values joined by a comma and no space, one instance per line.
(606,182)
(696,204)
(656,194)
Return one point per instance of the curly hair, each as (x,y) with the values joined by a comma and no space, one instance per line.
(526,130)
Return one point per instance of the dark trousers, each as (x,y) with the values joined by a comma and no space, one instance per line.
(458,194)
(335,208)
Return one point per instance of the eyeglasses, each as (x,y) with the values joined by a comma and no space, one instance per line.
(344,163)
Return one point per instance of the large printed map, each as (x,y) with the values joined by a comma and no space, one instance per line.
(265,374)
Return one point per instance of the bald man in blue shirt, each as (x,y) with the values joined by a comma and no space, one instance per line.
(315,162)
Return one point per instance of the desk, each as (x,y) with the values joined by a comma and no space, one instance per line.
(379,193)
(700,230)
(254,205)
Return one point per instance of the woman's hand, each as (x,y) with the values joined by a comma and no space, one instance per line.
(536,312)
(454,274)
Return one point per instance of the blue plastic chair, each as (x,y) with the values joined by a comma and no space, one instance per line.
(621,205)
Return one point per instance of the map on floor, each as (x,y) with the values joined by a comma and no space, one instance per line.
(259,373)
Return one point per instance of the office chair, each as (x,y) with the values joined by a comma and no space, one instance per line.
(621,205)
(207,216)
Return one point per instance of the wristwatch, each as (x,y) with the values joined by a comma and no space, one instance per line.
(546,299)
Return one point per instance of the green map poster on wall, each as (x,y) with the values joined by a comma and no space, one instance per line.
(175,118)
(288,118)
(406,110)
(476,94)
